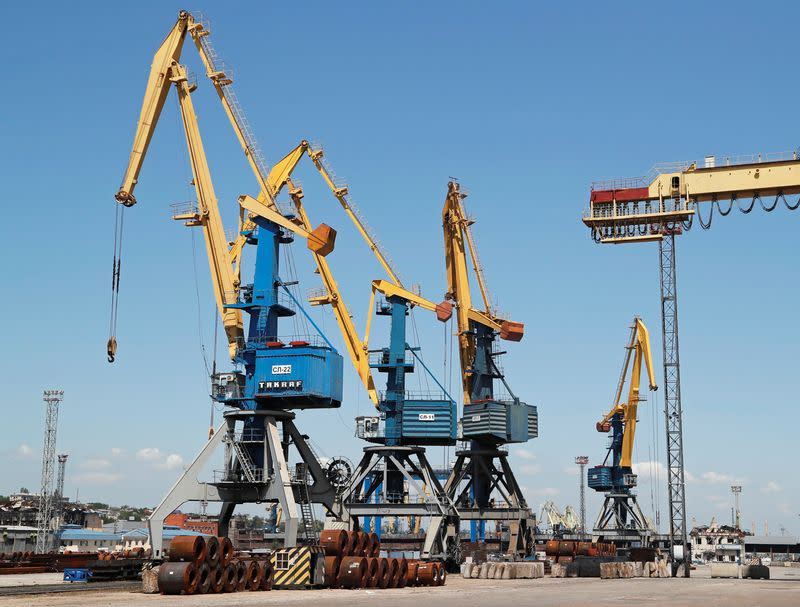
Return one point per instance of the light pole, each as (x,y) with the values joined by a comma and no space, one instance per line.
(736,490)
(582,460)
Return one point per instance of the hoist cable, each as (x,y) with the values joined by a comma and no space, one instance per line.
(119,222)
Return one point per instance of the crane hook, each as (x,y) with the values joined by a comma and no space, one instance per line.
(111,348)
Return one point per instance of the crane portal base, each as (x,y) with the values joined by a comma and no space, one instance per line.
(242,481)
(621,520)
(479,472)
(381,485)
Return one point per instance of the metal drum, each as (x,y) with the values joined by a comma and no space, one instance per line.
(428,573)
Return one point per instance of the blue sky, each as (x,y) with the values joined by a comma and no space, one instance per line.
(525,104)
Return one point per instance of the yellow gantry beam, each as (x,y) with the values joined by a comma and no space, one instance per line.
(638,350)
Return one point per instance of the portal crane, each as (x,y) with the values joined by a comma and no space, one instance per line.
(488,422)
(659,207)
(275,374)
(621,518)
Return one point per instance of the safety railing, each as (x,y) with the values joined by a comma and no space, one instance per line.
(417,395)
(382,357)
(184,208)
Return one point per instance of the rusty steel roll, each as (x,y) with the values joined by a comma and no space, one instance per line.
(177,578)
(225,551)
(187,548)
(334,541)
(332,564)
(566,548)
(212,551)
(374,545)
(362,540)
(352,571)
(380,573)
(203,579)
(442,575)
(402,573)
(229,578)
(253,576)
(582,548)
(241,575)
(411,572)
(352,540)
(551,548)
(371,577)
(216,578)
(267,575)
(393,572)
(427,573)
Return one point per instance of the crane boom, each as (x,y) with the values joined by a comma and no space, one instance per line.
(638,350)
(458,243)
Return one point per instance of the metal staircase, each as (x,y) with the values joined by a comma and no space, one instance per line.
(307,528)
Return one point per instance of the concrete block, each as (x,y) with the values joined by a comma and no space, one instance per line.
(755,572)
(484,571)
(475,572)
(537,569)
(609,571)
(150,580)
(491,572)
(638,569)
(724,570)
(557,570)
(507,572)
(625,570)
(663,569)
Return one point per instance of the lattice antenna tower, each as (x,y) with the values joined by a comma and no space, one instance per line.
(58,511)
(52,400)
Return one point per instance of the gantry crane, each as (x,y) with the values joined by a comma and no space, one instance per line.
(488,422)
(658,207)
(621,519)
(275,375)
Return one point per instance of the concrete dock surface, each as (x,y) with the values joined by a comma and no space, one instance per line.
(783,590)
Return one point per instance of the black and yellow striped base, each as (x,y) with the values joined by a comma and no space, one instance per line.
(294,567)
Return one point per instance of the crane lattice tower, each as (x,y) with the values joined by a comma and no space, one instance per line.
(52,399)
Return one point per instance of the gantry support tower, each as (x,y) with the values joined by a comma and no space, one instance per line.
(658,207)
(52,400)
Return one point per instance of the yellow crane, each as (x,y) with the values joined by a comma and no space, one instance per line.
(621,519)
(224,260)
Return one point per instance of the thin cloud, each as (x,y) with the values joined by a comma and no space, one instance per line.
(770,487)
(95,464)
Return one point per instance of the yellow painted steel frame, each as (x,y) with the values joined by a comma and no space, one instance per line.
(457,241)
(638,349)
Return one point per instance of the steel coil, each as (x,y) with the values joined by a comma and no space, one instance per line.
(187,548)
(394,572)
(203,579)
(241,575)
(411,574)
(177,578)
(334,541)
(442,578)
(216,576)
(225,551)
(551,548)
(362,541)
(352,571)
(352,540)
(428,573)
(380,574)
(371,576)
(332,564)
(253,576)
(267,575)
(374,546)
(402,573)
(212,551)
(229,578)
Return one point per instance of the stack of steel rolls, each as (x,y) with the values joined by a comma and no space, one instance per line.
(352,561)
(200,565)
